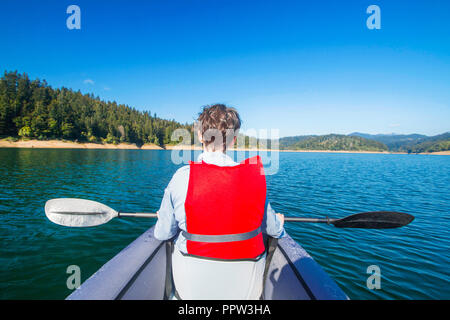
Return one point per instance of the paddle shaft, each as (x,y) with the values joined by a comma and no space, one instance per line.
(137,214)
(294,219)
(315,220)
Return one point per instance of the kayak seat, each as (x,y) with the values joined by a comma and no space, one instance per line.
(204,279)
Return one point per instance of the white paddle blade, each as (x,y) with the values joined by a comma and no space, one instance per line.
(71,212)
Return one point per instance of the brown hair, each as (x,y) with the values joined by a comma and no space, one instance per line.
(215,119)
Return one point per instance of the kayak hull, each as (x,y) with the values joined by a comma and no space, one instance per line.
(138,272)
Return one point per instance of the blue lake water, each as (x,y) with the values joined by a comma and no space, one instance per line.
(414,260)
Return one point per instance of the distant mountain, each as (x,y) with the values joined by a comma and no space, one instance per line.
(437,143)
(335,142)
(411,143)
(393,141)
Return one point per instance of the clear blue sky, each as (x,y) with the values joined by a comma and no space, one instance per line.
(304,67)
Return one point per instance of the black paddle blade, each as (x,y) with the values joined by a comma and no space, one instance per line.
(375,220)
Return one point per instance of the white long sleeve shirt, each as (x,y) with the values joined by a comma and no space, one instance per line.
(172,216)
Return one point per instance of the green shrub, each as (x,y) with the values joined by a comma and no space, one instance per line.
(12,139)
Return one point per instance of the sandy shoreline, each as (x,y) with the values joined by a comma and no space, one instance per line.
(58,144)
(267,150)
(439,153)
(308,151)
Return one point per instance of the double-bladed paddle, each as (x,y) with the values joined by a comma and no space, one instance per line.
(73,212)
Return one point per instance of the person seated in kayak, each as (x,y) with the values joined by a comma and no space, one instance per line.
(221,208)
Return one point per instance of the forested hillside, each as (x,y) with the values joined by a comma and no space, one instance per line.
(33,109)
(333,142)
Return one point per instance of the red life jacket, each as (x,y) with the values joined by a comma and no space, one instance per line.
(224,205)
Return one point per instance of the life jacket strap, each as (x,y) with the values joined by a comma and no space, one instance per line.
(222,237)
